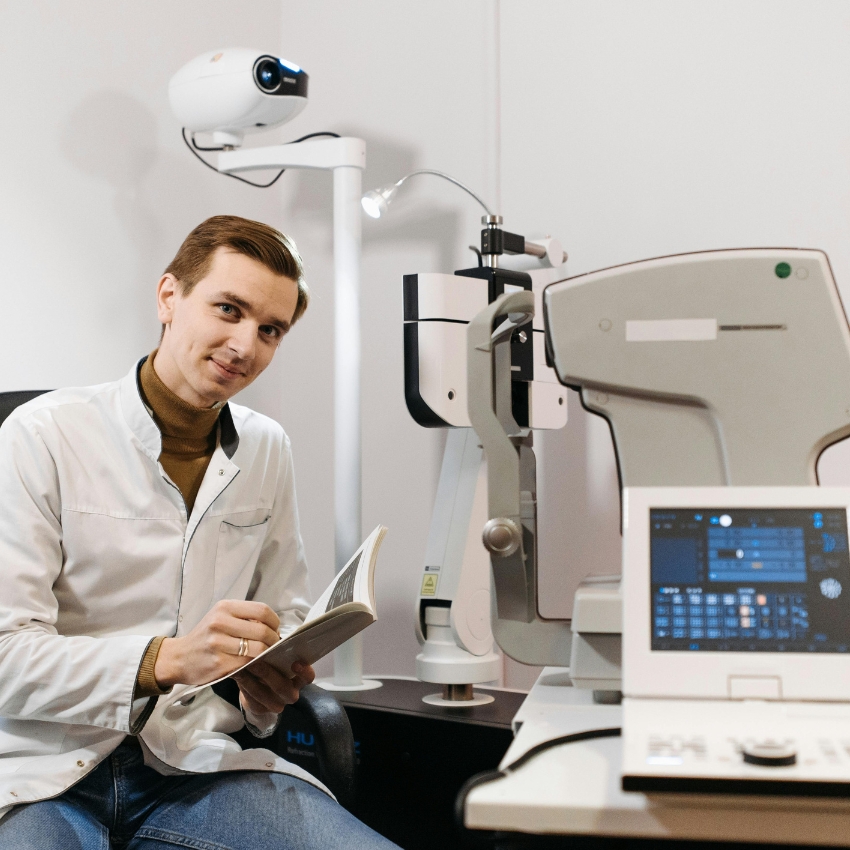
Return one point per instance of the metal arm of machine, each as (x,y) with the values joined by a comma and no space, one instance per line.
(453,607)
(510,534)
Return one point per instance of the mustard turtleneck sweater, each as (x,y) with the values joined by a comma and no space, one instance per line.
(189,436)
(189,433)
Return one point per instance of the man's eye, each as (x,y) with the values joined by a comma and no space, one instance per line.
(226,309)
(270,330)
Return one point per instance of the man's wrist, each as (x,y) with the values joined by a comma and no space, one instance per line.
(146,681)
(165,669)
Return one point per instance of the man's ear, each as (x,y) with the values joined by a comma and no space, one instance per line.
(167,293)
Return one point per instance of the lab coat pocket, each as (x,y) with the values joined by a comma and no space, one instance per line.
(240,540)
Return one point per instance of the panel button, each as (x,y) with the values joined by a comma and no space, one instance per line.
(769,754)
(755,687)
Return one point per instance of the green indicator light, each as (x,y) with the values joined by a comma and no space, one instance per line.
(782,270)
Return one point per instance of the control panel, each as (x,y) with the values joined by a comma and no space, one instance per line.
(755,742)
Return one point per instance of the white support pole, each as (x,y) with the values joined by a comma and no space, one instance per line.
(346,156)
(348,659)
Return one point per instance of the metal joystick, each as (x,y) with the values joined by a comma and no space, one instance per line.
(769,754)
(501,537)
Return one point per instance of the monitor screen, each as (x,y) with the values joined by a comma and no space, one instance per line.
(749,579)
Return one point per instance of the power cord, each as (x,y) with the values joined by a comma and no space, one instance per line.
(490,775)
(194,147)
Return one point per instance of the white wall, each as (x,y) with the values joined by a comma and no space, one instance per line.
(97,189)
(627,129)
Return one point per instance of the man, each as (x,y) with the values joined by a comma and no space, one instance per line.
(149,539)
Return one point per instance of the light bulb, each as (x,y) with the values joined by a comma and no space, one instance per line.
(373,204)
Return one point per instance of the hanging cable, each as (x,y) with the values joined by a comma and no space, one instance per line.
(194,147)
(501,773)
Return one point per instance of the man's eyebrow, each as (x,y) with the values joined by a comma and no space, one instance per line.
(245,305)
(237,300)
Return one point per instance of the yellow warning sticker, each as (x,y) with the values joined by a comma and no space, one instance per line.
(429,585)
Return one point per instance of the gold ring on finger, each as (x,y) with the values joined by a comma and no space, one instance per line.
(243,647)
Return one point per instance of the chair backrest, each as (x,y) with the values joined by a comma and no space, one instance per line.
(9,401)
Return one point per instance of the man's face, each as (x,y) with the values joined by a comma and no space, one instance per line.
(224,333)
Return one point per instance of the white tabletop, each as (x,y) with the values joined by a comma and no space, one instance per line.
(575,788)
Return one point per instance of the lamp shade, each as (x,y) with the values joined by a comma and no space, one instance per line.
(376,201)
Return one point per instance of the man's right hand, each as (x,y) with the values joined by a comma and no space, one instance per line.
(211,649)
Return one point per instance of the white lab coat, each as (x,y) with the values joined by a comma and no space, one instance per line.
(97,556)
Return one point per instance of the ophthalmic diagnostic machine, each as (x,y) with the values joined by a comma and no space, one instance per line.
(716,368)
(453,608)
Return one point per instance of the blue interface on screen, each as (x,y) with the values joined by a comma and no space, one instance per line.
(750,580)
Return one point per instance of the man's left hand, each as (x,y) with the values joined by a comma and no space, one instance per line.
(265,690)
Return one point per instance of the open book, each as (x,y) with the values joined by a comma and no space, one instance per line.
(345,608)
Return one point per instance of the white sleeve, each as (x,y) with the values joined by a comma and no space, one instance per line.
(44,675)
(260,725)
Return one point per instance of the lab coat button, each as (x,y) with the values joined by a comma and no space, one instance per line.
(221,472)
(14,793)
(269,764)
(80,763)
(180,619)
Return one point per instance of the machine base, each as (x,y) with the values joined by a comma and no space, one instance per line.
(477,699)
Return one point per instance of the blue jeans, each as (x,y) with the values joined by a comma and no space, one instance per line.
(124,804)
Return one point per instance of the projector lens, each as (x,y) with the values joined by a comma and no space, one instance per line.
(267,74)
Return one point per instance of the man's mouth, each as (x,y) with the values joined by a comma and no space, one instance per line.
(227,370)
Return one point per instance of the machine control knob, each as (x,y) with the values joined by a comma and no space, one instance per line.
(501,536)
(769,754)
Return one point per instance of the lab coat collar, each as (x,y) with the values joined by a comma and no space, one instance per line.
(142,425)
(137,416)
(228,435)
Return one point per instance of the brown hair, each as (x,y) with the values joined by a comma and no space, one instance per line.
(276,251)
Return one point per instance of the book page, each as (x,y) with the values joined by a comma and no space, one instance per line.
(344,589)
(356,580)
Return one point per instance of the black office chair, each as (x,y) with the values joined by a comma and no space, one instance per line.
(9,401)
(325,717)
(328,723)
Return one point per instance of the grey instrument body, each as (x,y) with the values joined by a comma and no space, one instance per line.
(714,368)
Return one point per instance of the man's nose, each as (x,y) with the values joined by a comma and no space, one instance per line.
(243,340)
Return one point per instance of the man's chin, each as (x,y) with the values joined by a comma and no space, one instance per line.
(215,390)
(222,391)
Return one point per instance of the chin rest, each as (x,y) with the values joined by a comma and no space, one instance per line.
(331,730)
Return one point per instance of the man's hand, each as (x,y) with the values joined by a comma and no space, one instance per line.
(265,690)
(211,649)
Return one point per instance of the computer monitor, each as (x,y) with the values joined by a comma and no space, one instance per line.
(736,591)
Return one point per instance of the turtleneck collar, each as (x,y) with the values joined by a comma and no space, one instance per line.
(176,418)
